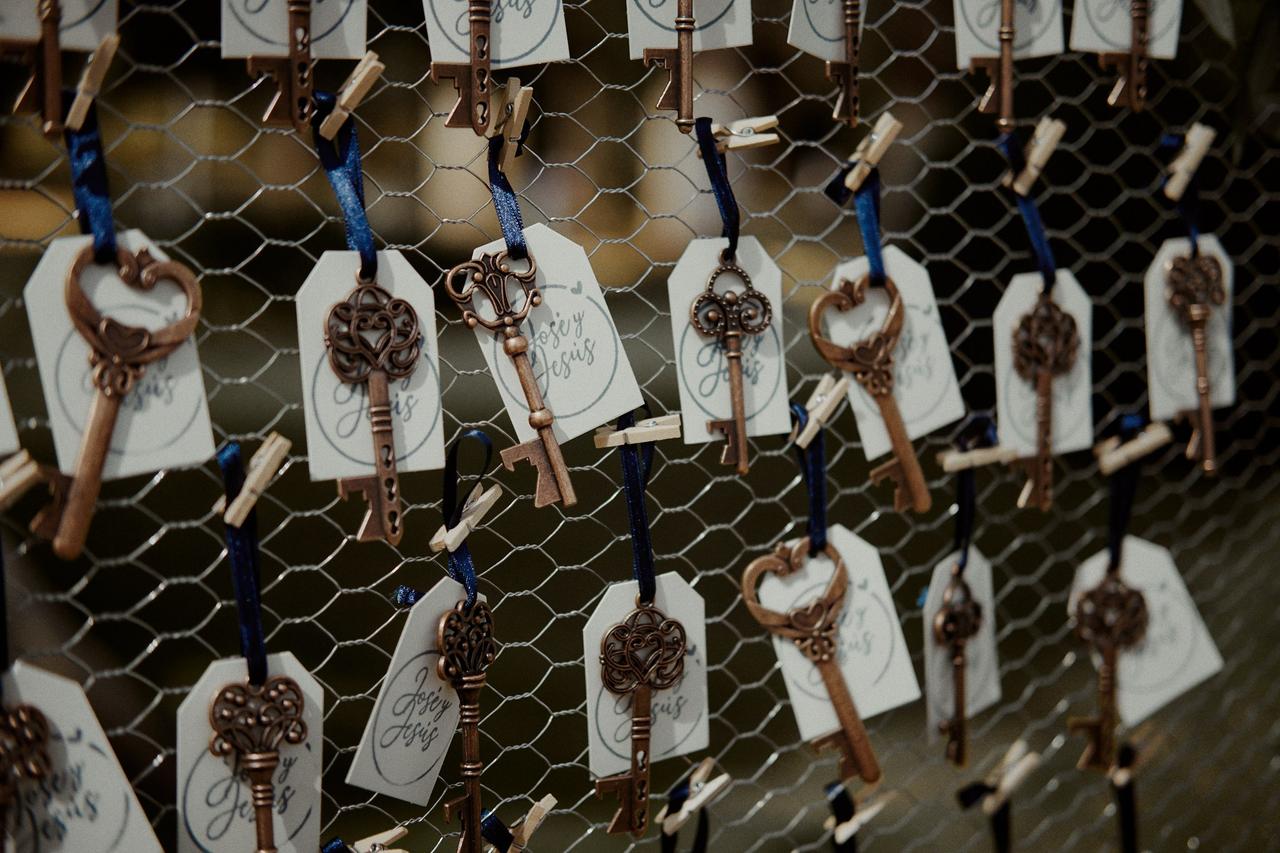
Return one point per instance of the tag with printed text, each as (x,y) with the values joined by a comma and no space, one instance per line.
(872,654)
(416,712)
(717,24)
(982,667)
(702,371)
(530,32)
(261,28)
(817,28)
(924,379)
(1072,391)
(1171,355)
(83,26)
(577,356)
(1176,653)
(339,435)
(8,429)
(680,715)
(86,804)
(1037,29)
(1105,26)
(164,419)
(215,805)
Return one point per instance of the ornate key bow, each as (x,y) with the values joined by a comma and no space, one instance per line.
(1193,288)
(24,753)
(1045,344)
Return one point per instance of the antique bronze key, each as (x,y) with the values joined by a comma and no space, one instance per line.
(471,80)
(42,92)
(250,722)
(678,63)
(1045,345)
(467,648)
(955,623)
(119,355)
(1110,617)
(1131,88)
(1193,287)
(373,337)
(871,363)
(490,276)
(845,74)
(294,101)
(24,754)
(728,316)
(642,654)
(814,630)
(999,70)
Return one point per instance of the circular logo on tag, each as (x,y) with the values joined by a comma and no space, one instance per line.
(706,373)
(525,25)
(674,721)
(255,15)
(1070,394)
(1032,17)
(1167,647)
(217,804)
(1174,359)
(1105,15)
(829,26)
(414,722)
(866,636)
(80,806)
(708,14)
(90,9)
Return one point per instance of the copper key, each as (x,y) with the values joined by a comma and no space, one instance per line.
(1045,345)
(845,74)
(955,623)
(1194,286)
(471,80)
(1131,88)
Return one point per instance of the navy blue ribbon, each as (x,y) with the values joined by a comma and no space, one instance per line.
(719,176)
(1127,801)
(335,845)
(461,568)
(980,432)
(1001,821)
(675,802)
(341,161)
(844,807)
(636,462)
(813,465)
(493,830)
(1124,486)
(89,184)
(1189,204)
(1030,214)
(242,550)
(505,203)
(867,209)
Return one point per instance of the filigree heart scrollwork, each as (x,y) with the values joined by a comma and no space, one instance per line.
(716,314)
(812,627)
(466,643)
(372,330)
(24,748)
(119,353)
(492,278)
(1046,338)
(646,649)
(1194,283)
(249,720)
(1112,615)
(960,615)
(870,360)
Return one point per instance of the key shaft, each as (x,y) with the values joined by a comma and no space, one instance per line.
(904,468)
(857,758)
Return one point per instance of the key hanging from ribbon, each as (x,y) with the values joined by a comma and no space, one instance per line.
(871,361)
(252,719)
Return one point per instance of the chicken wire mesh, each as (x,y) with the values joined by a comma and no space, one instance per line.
(139,618)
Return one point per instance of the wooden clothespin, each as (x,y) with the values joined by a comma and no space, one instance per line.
(744,134)
(477,506)
(380,843)
(841,832)
(872,147)
(1112,455)
(1018,764)
(509,115)
(521,835)
(703,791)
(660,428)
(294,74)
(263,466)
(42,92)
(95,72)
(18,474)
(1048,134)
(1199,140)
(354,90)
(962,460)
(822,406)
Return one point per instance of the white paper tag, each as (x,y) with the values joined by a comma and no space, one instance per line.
(84,24)
(982,666)
(680,715)
(574,347)
(701,369)
(416,713)
(526,33)
(924,379)
(717,24)
(873,653)
(86,805)
(1037,24)
(1105,26)
(339,441)
(817,27)
(1177,652)
(1171,361)
(215,809)
(1072,391)
(8,429)
(164,420)
(261,28)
